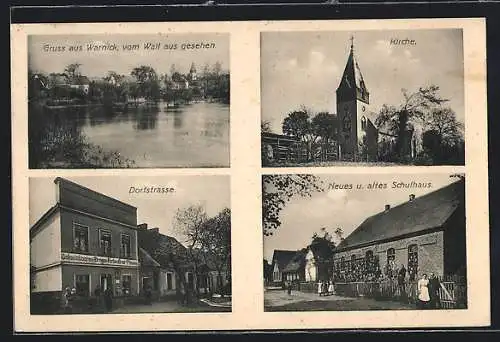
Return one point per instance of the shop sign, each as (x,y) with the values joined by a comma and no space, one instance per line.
(97,260)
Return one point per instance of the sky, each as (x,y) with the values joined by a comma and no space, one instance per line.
(97,64)
(347,209)
(305,68)
(157,210)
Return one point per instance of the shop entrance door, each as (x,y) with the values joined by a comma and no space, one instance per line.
(106,282)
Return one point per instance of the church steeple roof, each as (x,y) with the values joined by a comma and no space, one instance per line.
(352,79)
(193,68)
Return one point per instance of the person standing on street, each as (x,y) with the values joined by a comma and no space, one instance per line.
(434,286)
(423,292)
(401,283)
(108,299)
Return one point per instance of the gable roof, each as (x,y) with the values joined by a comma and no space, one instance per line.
(80,80)
(426,212)
(147,260)
(164,249)
(297,262)
(282,257)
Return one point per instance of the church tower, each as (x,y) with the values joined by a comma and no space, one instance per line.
(353,101)
(192,73)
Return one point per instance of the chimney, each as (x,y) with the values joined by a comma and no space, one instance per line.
(387,207)
(412,197)
(142,226)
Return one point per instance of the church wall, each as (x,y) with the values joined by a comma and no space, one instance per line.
(430,252)
(348,135)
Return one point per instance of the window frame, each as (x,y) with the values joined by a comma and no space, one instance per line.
(101,250)
(78,226)
(171,287)
(413,263)
(122,255)
(391,256)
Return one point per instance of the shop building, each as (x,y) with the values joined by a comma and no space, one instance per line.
(86,241)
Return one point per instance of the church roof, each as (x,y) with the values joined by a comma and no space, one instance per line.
(352,76)
(426,212)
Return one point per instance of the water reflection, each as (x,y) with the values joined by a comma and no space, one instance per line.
(194,135)
(146,120)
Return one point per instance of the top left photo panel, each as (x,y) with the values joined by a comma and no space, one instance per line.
(128,101)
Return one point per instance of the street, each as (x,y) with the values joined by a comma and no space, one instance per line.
(279,300)
(168,306)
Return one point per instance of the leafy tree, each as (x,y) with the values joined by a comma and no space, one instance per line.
(147,80)
(444,122)
(278,190)
(323,247)
(267,270)
(398,120)
(72,70)
(339,234)
(217,68)
(324,125)
(298,124)
(265,127)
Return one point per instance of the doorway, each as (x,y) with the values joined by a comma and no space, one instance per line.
(106,282)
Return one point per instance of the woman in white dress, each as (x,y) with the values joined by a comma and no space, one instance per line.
(320,288)
(330,288)
(423,292)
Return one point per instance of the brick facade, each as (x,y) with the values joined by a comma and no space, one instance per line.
(430,252)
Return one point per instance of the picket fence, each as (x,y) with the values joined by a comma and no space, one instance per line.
(452,295)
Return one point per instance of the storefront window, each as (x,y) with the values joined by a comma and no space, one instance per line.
(82,284)
(126,284)
(81,238)
(125,246)
(105,242)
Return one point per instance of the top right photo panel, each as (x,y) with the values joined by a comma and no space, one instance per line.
(368,98)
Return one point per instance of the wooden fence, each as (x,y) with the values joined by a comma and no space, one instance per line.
(452,295)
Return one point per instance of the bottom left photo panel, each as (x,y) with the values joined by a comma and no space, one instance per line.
(128,244)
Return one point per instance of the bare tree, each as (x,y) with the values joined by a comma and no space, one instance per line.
(189,223)
(216,242)
(414,107)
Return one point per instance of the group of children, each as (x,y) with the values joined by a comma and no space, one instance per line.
(326,288)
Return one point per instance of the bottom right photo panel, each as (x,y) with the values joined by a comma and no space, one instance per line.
(343,242)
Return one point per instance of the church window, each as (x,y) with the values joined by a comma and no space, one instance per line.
(363,123)
(412,261)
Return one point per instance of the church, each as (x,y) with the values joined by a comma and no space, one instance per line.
(358,137)
(357,133)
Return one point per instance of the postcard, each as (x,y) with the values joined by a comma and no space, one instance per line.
(250,175)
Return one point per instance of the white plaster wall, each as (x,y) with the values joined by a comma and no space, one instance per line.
(45,248)
(48,280)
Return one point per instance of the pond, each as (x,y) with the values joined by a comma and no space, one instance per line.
(191,135)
